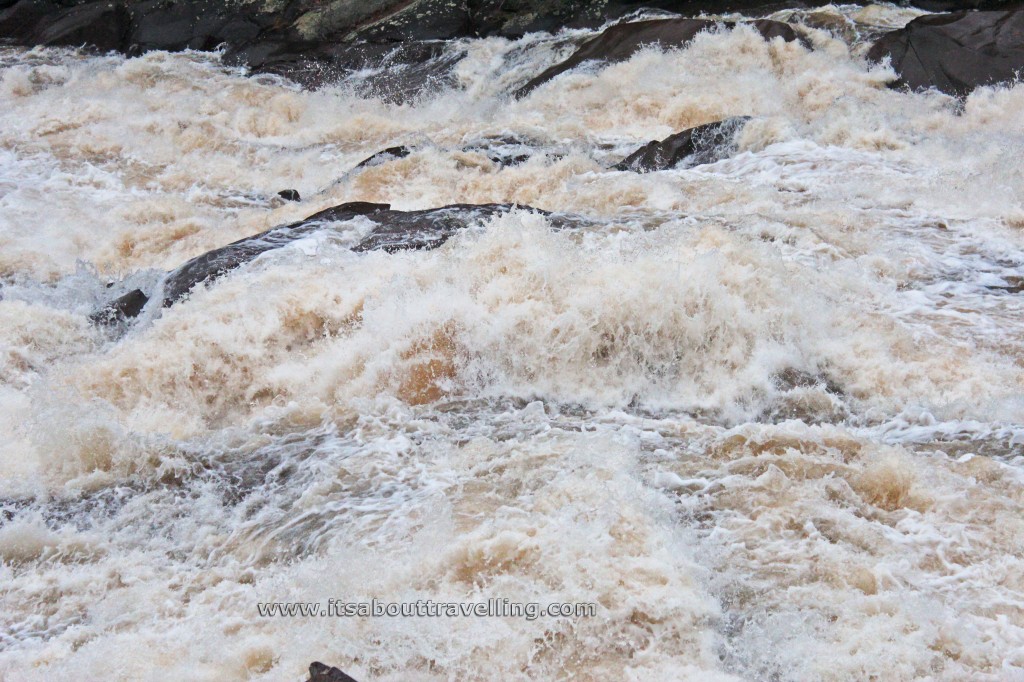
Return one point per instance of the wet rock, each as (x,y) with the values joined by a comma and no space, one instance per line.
(213,264)
(102,25)
(301,27)
(427,229)
(956,52)
(957,5)
(18,21)
(133,27)
(395,231)
(704,144)
(504,150)
(622,41)
(394,72)
(319,672)
(389,154)
(120,309)
(290,195)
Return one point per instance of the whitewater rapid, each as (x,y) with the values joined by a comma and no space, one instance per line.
(767,413)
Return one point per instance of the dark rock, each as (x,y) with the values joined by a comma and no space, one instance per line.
(300,27)
(394,72)
(421,20)
(704,144)
(622,41)
(121,309)
(427,229)
(18,22)
(318,672)
(506,150)
(213,264)
(396,231)
(955,53)
(389,154)
(290,195)
(957,5)
(102,25)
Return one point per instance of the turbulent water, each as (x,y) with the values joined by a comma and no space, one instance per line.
(767,414)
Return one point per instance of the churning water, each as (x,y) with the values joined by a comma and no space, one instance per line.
(767,414)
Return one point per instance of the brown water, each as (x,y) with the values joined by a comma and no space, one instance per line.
(768,413)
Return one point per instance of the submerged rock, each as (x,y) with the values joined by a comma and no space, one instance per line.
(427,229)
(319,672)
(395,72)
(290,195)
(395,231)
(704,144)
(213,264)
(955,53)
(622,41)
(383,156)
(505,150)
(120,309)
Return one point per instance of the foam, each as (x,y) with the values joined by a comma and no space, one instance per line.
(765,412)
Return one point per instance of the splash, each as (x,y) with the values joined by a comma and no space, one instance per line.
(765,412)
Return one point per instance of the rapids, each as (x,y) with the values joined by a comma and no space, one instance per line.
(767,413)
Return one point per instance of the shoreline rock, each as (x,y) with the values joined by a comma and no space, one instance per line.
(955,53)
(260,34)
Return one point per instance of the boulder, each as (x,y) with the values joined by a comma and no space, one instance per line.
(213,264)
(395,231)
(427,229)
(957,5)
(290,195)
(134,27)
(503,150)
(102,25)
(300,26)
(19,21)
(395,72)
(120,309)
(319,672)
(704,144)
(955,53)
(620,42)
(389,154)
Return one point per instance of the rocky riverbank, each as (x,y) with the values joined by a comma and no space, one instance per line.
(315,41)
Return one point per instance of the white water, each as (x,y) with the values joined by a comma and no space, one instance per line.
(588,415)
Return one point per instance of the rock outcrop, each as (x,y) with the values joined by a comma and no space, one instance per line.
(385,155)
(704,144)
(213,264)
(299,26)
(622,41)
(404,46)
(395,231)
(956,52)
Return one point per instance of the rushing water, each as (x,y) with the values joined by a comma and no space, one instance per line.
(767,413)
